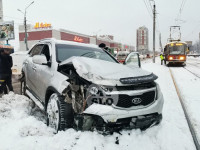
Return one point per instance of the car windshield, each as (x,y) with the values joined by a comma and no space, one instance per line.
(64,52)
(177,49)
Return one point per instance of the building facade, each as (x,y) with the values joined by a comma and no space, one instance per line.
(36,34)
(142,40)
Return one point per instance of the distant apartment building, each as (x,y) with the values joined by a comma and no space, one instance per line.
(142,40)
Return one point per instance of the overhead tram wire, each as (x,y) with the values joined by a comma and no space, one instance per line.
(18,19)
(178,18)
(150,13)
(150,6)
(194,29)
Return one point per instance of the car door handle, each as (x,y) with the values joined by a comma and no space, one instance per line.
(34,68)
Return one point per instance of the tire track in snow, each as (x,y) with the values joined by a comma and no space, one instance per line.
(198,76)
(192,130)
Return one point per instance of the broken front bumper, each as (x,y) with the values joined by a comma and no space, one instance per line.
(111,114)
(112,119)
(141,122)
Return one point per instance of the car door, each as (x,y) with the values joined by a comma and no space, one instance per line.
(133,60)
(31,70)
(44,73)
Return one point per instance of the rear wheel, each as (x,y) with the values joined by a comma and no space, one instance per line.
(59,113)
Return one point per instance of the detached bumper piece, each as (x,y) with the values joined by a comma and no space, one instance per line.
(141,79)
(139,122)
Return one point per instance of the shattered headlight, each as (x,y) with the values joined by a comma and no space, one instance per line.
(107,89)
(94,90)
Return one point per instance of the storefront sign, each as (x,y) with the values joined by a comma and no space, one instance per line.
(78,39)
(42,25)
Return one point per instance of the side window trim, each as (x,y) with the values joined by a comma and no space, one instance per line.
(49,48)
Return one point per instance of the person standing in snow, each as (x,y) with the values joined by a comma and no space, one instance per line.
(6,64)
(161,58)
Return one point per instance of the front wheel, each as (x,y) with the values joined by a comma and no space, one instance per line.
(59,113)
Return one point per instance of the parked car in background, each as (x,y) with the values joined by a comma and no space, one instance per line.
(121,56)
(148,56)
(142,56)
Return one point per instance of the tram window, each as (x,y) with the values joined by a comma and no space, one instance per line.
(178,49)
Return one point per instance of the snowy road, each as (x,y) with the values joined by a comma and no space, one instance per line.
(193,65)
(21,128)
(189,85)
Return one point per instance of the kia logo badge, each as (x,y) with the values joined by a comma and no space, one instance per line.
(136,100)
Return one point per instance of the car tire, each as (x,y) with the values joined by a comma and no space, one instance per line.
(59,113)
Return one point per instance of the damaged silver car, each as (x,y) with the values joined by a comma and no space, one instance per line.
(84,87)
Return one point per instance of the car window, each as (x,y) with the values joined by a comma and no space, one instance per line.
(36,50)
(46,52)
(64,52)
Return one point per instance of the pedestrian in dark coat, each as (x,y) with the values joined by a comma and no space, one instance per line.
(6,64)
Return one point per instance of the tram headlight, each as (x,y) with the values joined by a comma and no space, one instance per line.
(182,58)
(171,58)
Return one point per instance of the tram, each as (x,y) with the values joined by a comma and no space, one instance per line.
(175,52)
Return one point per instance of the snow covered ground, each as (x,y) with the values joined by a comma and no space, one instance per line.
(193,65)
(22,127)
(189,86)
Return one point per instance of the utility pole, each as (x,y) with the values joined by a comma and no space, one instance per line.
(25,26)
(154,30)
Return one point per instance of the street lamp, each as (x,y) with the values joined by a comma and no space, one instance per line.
(25,27)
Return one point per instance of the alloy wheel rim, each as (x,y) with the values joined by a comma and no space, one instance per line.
(53,112)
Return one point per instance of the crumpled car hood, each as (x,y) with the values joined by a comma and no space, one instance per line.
(104,72)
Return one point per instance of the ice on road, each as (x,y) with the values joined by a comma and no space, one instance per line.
(23,128)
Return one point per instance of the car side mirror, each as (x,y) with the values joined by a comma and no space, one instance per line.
(40,60)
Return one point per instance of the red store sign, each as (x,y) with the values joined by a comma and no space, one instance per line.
(78,39)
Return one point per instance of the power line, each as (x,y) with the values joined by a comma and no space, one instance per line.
(150,6)
(17,18)
(194,29)
(148,9)
(178,18)
(13,18)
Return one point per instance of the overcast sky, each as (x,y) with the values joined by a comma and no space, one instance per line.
(120,18)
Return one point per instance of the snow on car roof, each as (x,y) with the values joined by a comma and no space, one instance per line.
(70,43)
